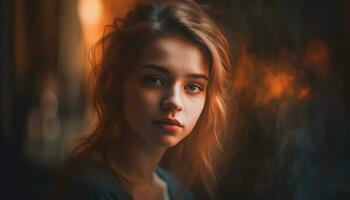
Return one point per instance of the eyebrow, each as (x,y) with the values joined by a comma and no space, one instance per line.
(165,71)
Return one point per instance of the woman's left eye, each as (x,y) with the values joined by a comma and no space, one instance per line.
(194,88)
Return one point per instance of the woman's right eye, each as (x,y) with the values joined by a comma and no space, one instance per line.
(153,80)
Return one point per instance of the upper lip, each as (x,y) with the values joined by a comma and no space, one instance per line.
(171,121)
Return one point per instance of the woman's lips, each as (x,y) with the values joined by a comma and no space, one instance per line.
(171,121)
(168,125)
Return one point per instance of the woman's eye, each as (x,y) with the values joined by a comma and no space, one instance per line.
(193,88)
(153,81)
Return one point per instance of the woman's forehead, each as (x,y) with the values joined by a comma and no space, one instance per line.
(175,53)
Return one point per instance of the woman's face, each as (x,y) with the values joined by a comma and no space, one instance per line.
(165,93)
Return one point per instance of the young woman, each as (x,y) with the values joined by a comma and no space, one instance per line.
(161,95)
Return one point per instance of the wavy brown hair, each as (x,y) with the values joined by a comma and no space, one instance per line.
(201,151)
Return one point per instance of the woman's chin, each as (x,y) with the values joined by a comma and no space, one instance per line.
(168,141)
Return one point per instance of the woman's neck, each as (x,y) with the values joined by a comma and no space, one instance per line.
(136,159)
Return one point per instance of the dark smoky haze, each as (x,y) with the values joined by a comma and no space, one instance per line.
(290,121)
(291,92)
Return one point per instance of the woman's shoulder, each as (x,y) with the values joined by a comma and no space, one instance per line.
(86,179)
(176,190)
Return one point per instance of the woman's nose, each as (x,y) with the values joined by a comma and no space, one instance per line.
(172,100)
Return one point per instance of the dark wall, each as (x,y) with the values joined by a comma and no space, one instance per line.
(290,148)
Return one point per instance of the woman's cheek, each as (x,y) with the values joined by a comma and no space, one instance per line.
(150,98)
(193,108)
(197,103)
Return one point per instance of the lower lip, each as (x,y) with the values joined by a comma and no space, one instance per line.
(168,127)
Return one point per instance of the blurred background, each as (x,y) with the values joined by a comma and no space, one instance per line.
(290,122)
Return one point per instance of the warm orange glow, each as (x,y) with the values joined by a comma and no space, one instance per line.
(90,11)
(277,86)
(281,79)
(241,79)
(91,15)
(304,92)
(316,57)
(95,15)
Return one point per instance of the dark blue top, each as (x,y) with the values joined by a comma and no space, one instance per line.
(92,181)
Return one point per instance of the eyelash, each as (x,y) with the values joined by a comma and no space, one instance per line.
(197,86)
(157,81)
(148,81)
